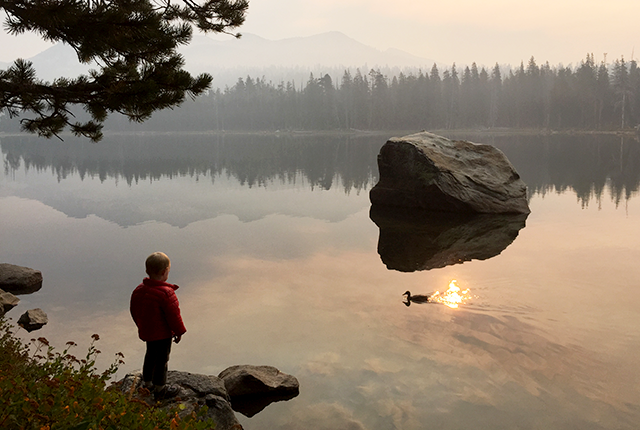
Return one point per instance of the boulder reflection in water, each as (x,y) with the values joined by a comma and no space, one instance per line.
(416,240)
(251,405)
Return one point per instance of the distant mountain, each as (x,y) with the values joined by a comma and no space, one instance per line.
(58,61)
(227,60)
(327,49)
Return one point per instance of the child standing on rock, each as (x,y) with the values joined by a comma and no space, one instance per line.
(156,312)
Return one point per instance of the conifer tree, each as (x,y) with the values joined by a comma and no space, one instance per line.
(603,90)
(134,45)
(495,83)
(346,99)
(622,88)
(634,87)
(586,82)
(435,96)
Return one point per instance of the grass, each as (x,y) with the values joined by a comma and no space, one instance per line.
(47,390)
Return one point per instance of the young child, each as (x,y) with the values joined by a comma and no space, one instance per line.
(156,311)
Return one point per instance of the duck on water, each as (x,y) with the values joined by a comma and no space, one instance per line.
(418,298)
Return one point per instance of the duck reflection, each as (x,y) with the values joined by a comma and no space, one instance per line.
(413,240)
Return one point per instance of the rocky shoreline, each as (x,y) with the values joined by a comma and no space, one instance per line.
(246,389)
(16,280)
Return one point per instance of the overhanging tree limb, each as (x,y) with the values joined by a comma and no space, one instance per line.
(133,42)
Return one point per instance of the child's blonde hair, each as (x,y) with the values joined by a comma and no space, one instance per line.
(157,263)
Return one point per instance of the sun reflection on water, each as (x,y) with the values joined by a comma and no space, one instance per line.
(453,297)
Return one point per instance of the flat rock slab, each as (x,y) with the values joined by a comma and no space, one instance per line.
(202,385)
(195,391)
(19,280)
(433,173)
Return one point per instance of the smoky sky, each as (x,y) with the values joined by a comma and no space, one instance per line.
(488,32)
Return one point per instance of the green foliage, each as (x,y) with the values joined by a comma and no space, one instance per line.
(46,390)
(133,42)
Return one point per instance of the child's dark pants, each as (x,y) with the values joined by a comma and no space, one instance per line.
(156,361)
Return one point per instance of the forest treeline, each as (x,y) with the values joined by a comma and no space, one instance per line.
(588,96)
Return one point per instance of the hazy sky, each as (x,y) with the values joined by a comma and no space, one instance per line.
(489,31)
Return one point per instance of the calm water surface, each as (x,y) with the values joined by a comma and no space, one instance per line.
(272,243)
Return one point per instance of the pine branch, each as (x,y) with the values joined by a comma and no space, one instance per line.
(134,43)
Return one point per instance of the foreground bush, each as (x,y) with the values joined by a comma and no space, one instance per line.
(46,390)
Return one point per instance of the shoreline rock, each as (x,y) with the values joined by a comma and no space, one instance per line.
(195,391)
(253,388)
(33,319)
(7,302)
(243,380)
(19,279)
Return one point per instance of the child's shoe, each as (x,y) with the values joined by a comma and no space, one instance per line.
(165,391)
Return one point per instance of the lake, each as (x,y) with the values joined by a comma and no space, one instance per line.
(273,244)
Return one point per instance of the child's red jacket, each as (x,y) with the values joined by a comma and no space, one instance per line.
(156,311)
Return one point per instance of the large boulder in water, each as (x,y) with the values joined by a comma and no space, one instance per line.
(431,172)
